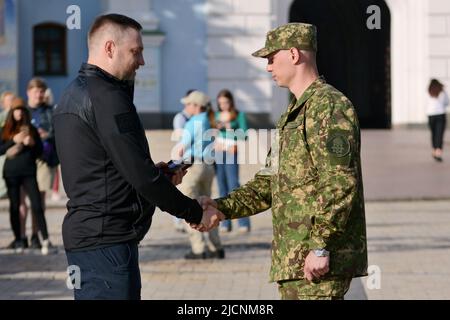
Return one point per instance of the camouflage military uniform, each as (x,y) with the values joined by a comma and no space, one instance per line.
(313,183)
(315,190)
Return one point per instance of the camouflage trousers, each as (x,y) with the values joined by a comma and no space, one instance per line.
(302,289)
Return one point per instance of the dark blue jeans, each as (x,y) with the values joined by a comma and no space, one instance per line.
(227,172)
(110,273)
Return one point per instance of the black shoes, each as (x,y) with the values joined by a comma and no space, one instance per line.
(437,158)
(195,256)
(34,242)
(219,254)
(18,245)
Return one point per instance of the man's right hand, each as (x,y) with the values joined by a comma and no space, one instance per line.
(206,201)
(211,216)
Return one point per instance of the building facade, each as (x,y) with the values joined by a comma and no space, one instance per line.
(380,53)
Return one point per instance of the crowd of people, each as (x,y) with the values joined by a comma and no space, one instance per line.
(213,155)
(28,163)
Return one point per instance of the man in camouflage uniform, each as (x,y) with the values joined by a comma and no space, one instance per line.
(312,179)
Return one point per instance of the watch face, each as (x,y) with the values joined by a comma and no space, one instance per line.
(321,253)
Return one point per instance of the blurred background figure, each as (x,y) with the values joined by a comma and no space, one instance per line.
(198,180)
(228,120)
(41,119)
(49,101)
(436,111)
(179,121)
(22,145)
(6,99)
(48,97)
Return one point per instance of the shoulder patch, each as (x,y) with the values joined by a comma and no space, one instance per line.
(127,122)
(338,145)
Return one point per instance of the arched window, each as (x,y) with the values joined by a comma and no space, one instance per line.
(49,41)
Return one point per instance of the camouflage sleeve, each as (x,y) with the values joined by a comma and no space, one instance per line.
(334,147)
(252,198)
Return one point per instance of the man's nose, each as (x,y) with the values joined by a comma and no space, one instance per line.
(142,61)
(269,68)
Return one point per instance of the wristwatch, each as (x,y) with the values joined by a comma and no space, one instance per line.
(321,253)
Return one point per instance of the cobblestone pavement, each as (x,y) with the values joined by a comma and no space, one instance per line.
(408,241)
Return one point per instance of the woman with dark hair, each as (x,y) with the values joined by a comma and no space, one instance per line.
(22,145)
(233,126)
(437,103)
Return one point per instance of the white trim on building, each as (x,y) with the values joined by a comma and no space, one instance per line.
(233,33)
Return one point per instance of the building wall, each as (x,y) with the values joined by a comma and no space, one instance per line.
(35,12)
(409,60)
(183,51)
(439,35)
(183,55)
(235,29)
(208,46)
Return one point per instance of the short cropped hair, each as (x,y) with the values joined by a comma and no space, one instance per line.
(118,20)
(37,83)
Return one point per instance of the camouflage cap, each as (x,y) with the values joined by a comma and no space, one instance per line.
(292,35)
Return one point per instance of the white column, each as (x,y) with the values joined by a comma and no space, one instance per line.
(280,97)
(409,60)
(147,93)
(235,29)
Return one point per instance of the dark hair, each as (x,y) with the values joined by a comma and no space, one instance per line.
(189,92)
(227,94)
(12,127)
(123,22)
(208,108)
(435,88)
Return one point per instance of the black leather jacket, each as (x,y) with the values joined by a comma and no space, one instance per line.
(108,174)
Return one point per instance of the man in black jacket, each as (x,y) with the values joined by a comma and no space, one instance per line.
(111,181)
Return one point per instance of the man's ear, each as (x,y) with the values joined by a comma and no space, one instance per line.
(110,48)
(295,55)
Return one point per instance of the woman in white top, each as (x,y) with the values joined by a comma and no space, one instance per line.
(437,103)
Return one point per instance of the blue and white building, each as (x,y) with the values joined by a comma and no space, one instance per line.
(381,53)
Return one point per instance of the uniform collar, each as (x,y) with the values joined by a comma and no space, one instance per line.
(320,81)
(295,104)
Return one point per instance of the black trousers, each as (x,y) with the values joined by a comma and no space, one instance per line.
(31,187)
(437,125)
(110,273)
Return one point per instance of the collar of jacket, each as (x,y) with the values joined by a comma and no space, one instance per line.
(41,108)
(295,104)
(91,70)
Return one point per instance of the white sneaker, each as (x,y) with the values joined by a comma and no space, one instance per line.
(46,246)
(19,250)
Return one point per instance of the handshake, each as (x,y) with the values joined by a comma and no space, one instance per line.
(211,215)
